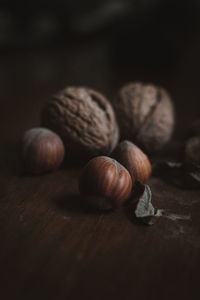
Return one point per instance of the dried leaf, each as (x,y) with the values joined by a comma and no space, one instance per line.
(178,175)
(196,176)
(192,179)
(143,207)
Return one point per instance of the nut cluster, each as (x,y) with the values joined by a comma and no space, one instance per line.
(107,183)
(82,123)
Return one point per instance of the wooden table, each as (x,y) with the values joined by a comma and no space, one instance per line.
(51,246)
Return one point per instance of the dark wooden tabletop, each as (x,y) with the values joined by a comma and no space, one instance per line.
(51,246)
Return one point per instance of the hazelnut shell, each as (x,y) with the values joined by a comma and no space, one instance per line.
(134,160)
(42,150)
(105,183)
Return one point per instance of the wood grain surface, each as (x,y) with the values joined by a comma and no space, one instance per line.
(51,245)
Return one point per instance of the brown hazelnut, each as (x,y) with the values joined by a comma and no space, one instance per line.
(146,115)
(105,183)
(134,160)
(84,119)
(42,150)
(192,152)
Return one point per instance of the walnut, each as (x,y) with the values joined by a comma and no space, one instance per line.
(85,121)
(146,115)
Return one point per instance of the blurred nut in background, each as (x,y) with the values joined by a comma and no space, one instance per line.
(105,183)
(192,152)
(85,121)
(145,114)
(134,160)
(42,150)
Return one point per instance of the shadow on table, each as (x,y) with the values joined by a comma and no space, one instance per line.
(76,203)
(10,163)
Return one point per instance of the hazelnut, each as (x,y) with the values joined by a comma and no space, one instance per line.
(105,183)
(84,119)
(146,115)
(42,150)
(192,152)
(134,160)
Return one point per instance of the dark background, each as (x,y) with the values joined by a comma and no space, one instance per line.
(102,44)
(50,246)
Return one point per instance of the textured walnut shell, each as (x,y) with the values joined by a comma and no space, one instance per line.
(145,114)
(85,121)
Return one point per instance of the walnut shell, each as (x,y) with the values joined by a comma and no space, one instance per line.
(84,119)
(146,115)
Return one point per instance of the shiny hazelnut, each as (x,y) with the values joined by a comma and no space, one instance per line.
(42,150)
(134,160)
(105,183)
(145,113)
